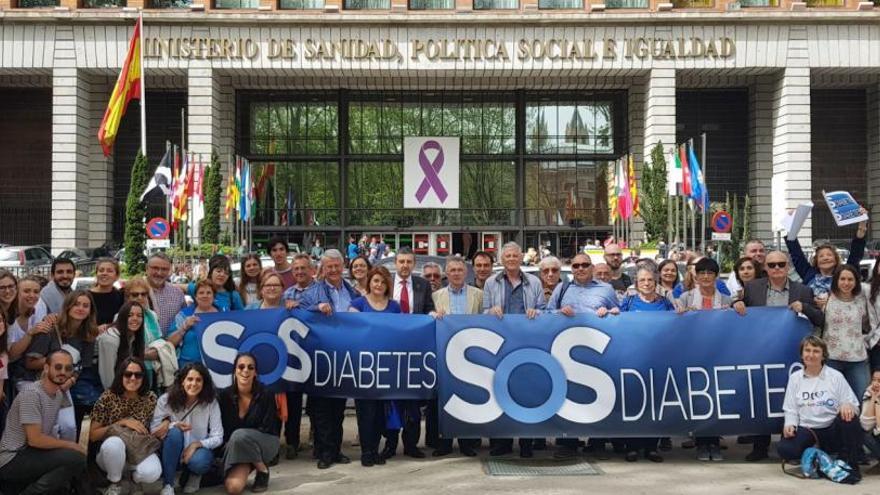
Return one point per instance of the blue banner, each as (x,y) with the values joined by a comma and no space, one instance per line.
(637,374)
(371,356)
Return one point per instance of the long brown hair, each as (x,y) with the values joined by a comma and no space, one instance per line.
(244,279)
(11,313)
(88,329)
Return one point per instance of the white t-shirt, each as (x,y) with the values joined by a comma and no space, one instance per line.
(814,401)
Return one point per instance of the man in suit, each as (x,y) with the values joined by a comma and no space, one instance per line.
(414,296)
(777,290)
(457,298)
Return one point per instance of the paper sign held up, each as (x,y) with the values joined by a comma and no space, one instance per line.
(844,208)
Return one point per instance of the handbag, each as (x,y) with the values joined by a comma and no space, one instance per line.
(138,446)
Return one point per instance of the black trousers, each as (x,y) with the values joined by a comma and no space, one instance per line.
(641,444)
(327,418)
(294,418)
(843,437)
(508,442)
(38,471)
(432,431)
(371,425)
(411,414)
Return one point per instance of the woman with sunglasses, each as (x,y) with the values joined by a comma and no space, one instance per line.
(108,299)
(124,339)
(818,272)
(251,427)
(847,329)
(358,268)
(189,423)
(127,403)
(8,296)
(249,279)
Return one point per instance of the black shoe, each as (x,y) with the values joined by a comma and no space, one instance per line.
(368,461)
(539,444)
(631,456)
(274,461)
(342,459)
(468,451)
(564,452)
(441,452)
(291,452)
(380,461)
(499,451)
(324,464)
(744,440)
(261,482)
(387,453)
(525,451)
(653,456)
(415,453)
(756,455)
(665,444)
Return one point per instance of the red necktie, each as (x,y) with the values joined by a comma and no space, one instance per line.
(404,296)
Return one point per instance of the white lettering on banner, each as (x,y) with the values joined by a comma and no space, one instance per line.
(473,374)
(583,374)
(670,377)
(722,391)
(365,370)
(704,392)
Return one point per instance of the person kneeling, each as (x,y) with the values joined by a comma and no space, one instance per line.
(119,421)
(188,421)
(32,459)
(820,407)
(251,427)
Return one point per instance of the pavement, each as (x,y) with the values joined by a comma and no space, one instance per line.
(680,474)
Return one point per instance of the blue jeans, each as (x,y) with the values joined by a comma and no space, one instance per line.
(857,374)
(172,449)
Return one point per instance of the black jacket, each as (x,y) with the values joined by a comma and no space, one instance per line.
(755,294)
(262,414)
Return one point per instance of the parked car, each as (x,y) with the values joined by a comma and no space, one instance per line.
(866,268)
(24,256)
(78,255)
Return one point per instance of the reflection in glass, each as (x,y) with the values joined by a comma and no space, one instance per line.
(301,4)
(295,128)
(367,4)
(29,4)
(566,193)
(297,193)
(431,4)
(569,128)
(560,4)
(495,4)
(626,4)
(236,4)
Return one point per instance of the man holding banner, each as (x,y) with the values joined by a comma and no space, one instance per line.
(457,298)
(332,295)
(414,296)
(512,292)
(777,290)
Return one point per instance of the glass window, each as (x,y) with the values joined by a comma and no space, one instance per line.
(495,4)
(431,4)
(487,193)
(367,4)
(301,4)
(569,128)
(759,3)
(293,128)
(566,193)
(30,4)
(375,193)
(484,127)
(170,4)
(103,4)
(693,4)
(236,4)
(626,4)
(297,193)
(560,4)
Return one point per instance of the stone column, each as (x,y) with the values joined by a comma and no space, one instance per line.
(761,102)
(791,164)
(873,121)
(101,167)
(659,119)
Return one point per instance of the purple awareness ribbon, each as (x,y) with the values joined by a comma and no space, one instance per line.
(430,169)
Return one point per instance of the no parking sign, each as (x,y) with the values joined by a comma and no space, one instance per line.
(157,228)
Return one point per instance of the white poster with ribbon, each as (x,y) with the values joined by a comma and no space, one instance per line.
(430,172)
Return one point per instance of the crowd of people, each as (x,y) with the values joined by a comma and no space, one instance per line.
(130,361)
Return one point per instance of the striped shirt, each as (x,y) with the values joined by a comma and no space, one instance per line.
(32,406)
(168,301)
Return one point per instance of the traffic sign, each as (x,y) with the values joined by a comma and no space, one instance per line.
(157,228)
(720,236)
(722,222)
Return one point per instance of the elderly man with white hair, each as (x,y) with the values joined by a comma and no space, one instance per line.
(550,269)
(512,292)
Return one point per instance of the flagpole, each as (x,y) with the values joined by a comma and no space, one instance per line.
(705,190)
(143,88)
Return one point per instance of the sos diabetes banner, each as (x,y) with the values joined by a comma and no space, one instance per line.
(637,374)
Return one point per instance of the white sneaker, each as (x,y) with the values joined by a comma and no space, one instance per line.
(113,489)
(167,490)
(193,483)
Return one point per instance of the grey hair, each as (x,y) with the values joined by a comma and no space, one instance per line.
(455,258)
(332,254)
(303,256)
(431,264)
(548,261)
(510,245)
(653,273)
(159,254)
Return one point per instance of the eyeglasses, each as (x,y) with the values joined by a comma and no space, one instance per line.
(4,288)
(550,270)
(66,367)
(578,266)
(431,275)
(777,264)
(138,294)
(614,254)
(132,375)
(242,367)
(276,286)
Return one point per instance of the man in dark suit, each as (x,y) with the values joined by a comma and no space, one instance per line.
(414,296)
(777,290)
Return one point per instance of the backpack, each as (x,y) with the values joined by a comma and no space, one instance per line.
(815,462)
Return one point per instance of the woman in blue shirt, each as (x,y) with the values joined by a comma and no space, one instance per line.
(371,413)
(646,298)
(180,335)
(226,297)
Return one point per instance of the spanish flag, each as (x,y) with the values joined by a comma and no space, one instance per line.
(128,87)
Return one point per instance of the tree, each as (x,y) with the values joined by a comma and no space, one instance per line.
(135,211)
(213,193)
(655,200)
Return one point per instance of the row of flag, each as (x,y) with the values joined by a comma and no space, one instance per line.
(686,176)
(623,191)
(181,177)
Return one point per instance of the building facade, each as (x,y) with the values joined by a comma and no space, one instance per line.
(544,95)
